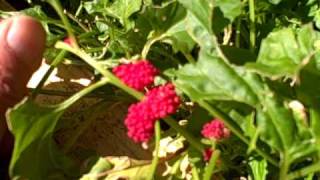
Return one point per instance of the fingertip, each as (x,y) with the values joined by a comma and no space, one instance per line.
(26,39)
(22,42)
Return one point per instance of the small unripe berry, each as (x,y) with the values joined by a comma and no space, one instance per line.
(67,40)
(207,153)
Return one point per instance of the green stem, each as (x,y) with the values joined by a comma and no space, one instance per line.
(79,10)
(77,21)
(148,45)
(210,167)
(53,65)
(92,50)
(235,129)
(82,93)
(57,6)
(305,171)
(195,174)
(87,34)
(315,123)
(189,58)
(252,25)
(89,60)
(191,139)
(57,23)
(238,32)
(70,93)
(155,159)
(284,167)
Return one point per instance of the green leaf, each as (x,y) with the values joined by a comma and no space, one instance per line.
(315,124)
(315,13)
(315,120)
(123,9)
(249,128)
(226,78)
(202,10)
(214,79)
(230,9)
(96,6)
(35,155)
(285,52)
(199,32)
(275,121)
(139,172)
(201,88)
(169,26)
(278,126)
(119,9)
(179,38)
(206,16)
(163,18)
(281,119)
(275,1)
(101,166)
(268,131)
(259,169)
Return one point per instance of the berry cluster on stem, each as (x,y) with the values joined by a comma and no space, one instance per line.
(138,75)
(215,130)
(159,101)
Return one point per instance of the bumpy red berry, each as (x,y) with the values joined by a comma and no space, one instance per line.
(140,122)
(158,103)
(163,100)
(137,75)
(215,130)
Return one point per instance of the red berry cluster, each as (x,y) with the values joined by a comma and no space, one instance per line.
(137,75)
(158,103)
(215,130)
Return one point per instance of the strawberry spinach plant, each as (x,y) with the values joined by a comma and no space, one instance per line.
(234,82)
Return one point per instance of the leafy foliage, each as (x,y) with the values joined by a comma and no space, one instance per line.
(33,127)
(285,53)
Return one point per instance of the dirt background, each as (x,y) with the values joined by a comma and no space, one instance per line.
(99,121)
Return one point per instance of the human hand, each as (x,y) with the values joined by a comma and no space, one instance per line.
(22,42)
